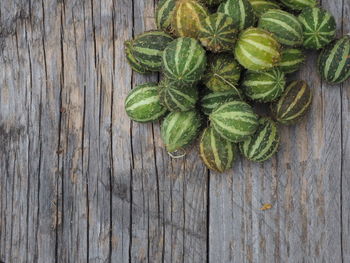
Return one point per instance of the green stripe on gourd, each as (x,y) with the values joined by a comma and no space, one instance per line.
(134,64)
(261,6)
(264,86)
(218,33)
(214,99)
(299,4)
(257,49)
(241,11)
(164,13)
(187,17)
(319,27)
(291,60)
(222,74)
(293,104)
(147,49)
(263,144)
(184,61)
(180,129)
(177,98)
(216,153)
(285,26)
(142,103)
(234,120)
(334,61)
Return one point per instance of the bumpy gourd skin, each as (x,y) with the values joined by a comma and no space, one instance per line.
(291,60)
(299,4)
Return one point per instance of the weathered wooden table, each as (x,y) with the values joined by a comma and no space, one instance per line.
(80,182)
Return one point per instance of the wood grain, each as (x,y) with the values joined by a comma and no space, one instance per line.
(80,182)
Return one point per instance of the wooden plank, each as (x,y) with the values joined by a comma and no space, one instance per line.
(121,142)
(345,179)
(302,183)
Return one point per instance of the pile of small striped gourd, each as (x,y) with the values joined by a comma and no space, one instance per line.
(219,56)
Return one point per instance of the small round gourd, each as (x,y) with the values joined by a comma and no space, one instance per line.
(263,144)
(147,49)
(261,6)
(218,33)
(293,104)
(285,26)
(214,99)
(164,14)
(134,64)
(186,18)
(291,60)
(319,27)
(257,49)
(264,86)
(216,153)
(143,105)
(241,11)
(177,98)
(180,129)
(299,4)
(184,61)
(334,61)
(223,73)
(235,120)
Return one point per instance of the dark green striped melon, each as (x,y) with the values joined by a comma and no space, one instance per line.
(222,74)
(217,153)
(241,11)
(135,65)
(261,6)
(164,14)
(234,120)
(263,144)
(293,104)
(283,25)
(142,103)
(257,49)
(334,61)
(180,129)
(187,17)
(291,60)
(177,98)
(184,61)
(147,49)
(264,86)
(218,33)
(319,27)
(214,99)
(299,4)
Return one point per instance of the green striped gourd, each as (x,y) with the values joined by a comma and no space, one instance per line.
(142,103)
(218,33)
(147,49)
(234,120)
(299,4)
(164,14)
(134,64)
(177,98)
(180,129)
(334,61)
(291,60)
(217,153)
(184,61)
(214,99)
(241,11)
(285,26)
(263,144)
(293,104)
(319,27)
(222,74)
(187,17)
(257,49)
(264,86)
(261,6)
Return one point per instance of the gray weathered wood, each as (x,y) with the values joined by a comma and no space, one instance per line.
(80,182)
